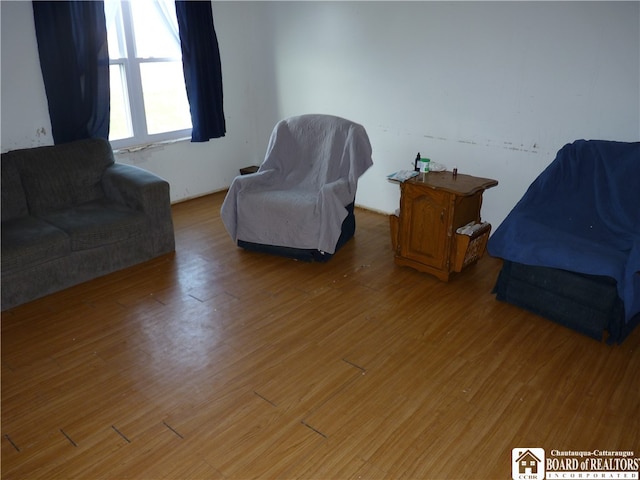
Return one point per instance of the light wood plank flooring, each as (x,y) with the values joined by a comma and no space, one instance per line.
(217,363)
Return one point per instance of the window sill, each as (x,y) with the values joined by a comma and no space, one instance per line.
(148,146)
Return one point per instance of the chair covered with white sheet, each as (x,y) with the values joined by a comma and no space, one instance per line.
(300,201)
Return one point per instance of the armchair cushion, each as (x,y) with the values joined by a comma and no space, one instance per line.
(57,177)
(14,201)
(28,241)
(98,223)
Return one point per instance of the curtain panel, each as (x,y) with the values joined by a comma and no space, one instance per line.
(202,69)
(74,59)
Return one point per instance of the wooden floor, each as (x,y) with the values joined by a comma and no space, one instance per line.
(218,363)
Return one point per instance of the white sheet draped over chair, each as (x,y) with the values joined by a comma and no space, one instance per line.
(298,196)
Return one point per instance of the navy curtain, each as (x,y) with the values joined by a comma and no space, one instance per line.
(202,69)
(74,59)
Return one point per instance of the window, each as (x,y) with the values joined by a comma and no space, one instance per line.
(148,95)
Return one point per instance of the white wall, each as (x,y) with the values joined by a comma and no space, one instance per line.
(495,88)
(24,120)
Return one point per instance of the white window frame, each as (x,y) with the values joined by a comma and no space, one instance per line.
(133,81)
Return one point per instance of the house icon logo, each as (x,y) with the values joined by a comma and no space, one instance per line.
(527,464)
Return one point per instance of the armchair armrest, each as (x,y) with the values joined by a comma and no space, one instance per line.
(137,189)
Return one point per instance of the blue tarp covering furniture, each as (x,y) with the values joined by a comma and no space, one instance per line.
(580,217)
